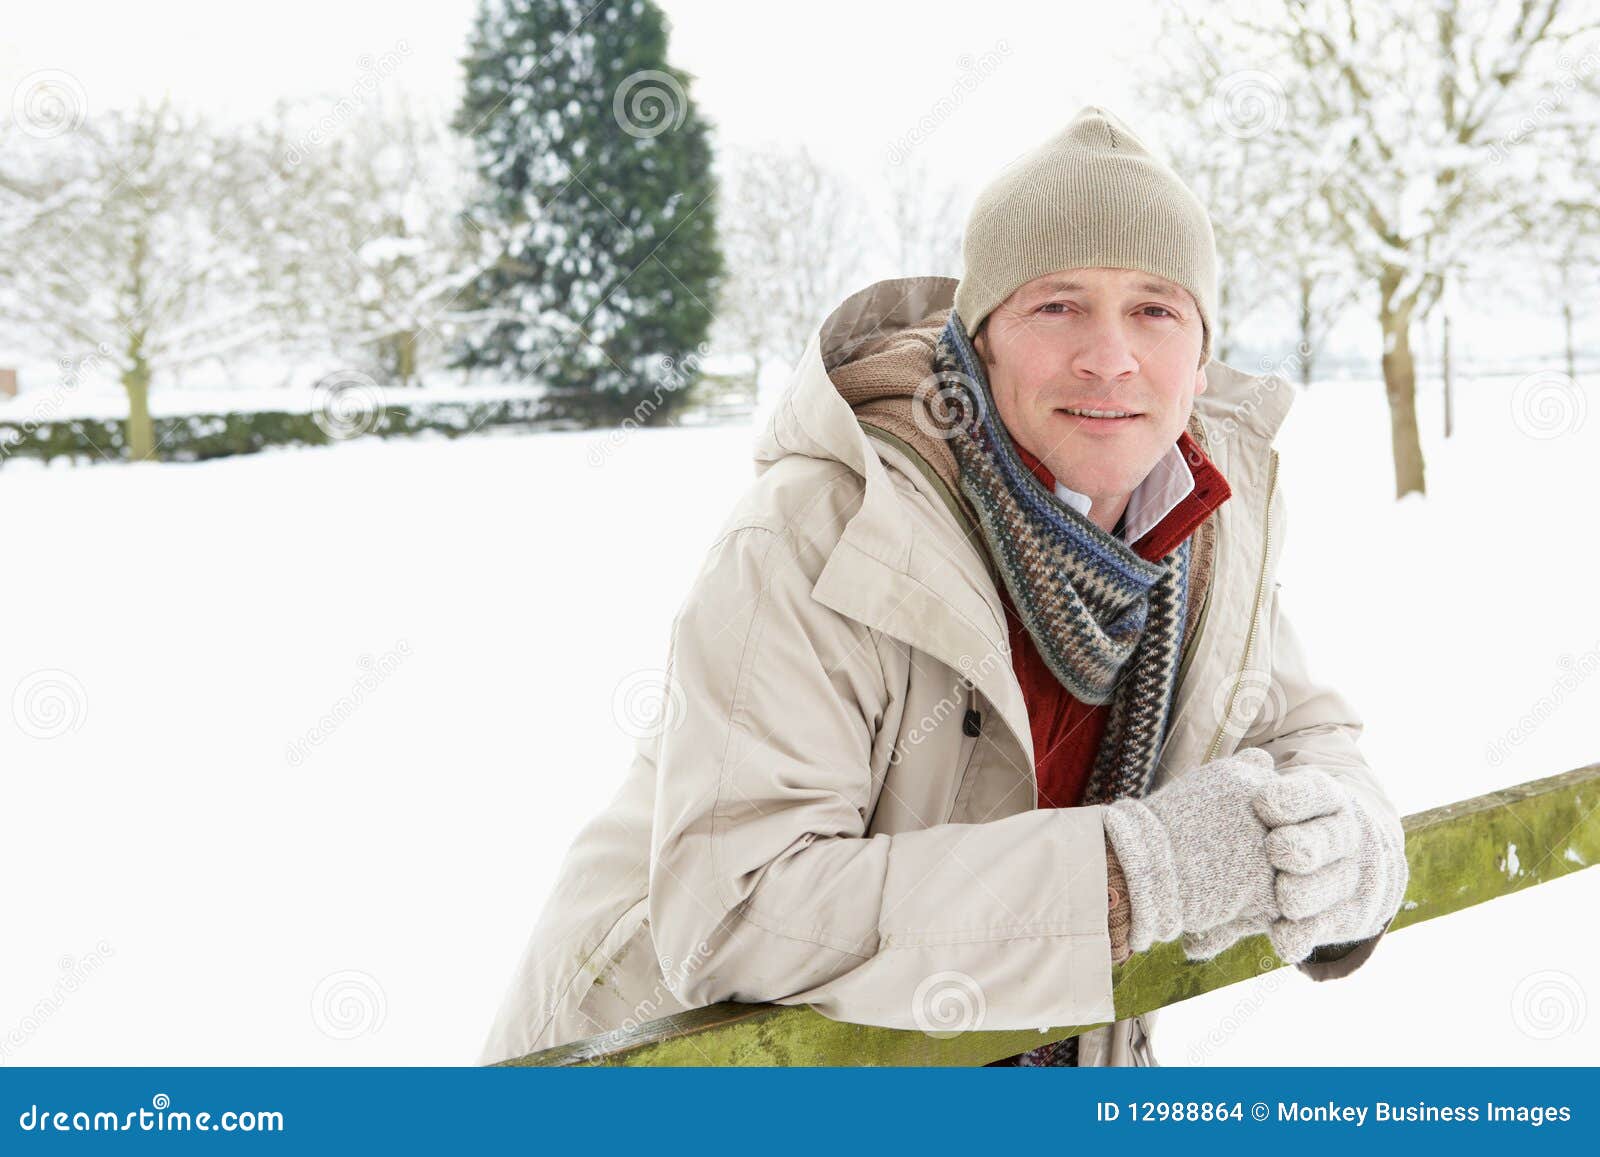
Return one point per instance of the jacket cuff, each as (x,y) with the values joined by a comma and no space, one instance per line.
(1335,961)
(1140,842)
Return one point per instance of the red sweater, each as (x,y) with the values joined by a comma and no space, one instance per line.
(1067,731)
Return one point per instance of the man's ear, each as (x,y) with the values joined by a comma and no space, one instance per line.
(1200,381)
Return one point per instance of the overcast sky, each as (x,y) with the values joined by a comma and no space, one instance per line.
(848,79)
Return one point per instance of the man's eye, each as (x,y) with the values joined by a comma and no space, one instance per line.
(1050,306)
(1164,310)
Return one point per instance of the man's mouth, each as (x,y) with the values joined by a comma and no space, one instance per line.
(1087,412)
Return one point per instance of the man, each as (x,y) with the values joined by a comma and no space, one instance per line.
(986,683)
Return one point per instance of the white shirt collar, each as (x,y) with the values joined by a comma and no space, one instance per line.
(1169,482)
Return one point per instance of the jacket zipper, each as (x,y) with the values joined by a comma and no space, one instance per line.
(1205,600)
(1199,628)
(1255,618)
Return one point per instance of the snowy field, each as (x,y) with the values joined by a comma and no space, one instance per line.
(98,399)
(203,872)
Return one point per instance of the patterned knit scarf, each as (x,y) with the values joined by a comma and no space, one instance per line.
(1107,622)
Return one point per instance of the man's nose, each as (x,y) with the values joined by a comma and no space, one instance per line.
(1106,353)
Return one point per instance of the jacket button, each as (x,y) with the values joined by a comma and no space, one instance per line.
(972,724)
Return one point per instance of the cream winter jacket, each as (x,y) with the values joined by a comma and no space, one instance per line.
(817,824)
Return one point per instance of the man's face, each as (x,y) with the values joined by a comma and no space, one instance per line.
(1101,339)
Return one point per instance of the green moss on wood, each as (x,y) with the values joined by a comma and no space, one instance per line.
(1462,854)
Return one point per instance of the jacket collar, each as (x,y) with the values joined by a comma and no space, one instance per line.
(1210,491)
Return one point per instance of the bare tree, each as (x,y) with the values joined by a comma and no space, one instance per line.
(131,253)
(1233,181)
(1275,252)
(925,218)
(1572,274)
(1401,116)
(1563,232)
(368,246)
(794,235)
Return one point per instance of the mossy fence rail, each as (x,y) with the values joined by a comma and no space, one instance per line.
(1460,854)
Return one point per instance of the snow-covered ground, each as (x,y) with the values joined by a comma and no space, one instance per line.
(206,866)
(57,402)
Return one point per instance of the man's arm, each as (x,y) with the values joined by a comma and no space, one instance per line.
(763,883)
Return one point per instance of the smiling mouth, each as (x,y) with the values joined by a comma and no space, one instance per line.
(1087,412)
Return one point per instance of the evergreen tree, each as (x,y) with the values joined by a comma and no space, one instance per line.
(598,170)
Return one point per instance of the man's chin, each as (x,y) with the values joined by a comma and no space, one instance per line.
(1090,466)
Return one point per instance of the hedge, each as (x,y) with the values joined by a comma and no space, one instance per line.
(198,437)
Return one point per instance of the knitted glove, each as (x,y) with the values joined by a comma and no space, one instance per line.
(1194,856)
(1341,866)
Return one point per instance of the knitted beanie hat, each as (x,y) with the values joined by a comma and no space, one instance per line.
(1090,197)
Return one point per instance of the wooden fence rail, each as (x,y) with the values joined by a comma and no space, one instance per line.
(1461,854)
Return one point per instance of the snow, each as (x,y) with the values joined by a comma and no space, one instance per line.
(298,739)
(1447,619)
(102,399)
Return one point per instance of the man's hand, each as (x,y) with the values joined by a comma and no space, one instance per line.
(1341,870)
(1194,856)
